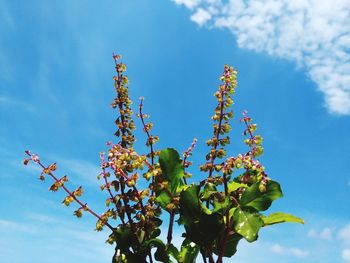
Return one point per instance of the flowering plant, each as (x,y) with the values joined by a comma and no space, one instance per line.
(216,213)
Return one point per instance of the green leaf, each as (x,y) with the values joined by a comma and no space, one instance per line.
(209,189)
(155,233)
(222,207)
(207,194)
(261,200)
(205,229)
(202,227)
(136,258)
(189,252)
(164,198)
(189,204)
(173,251)
(161,253)
(230,247)
(279,217)
(125,239)
(247,222)
(172,168)
(233,186)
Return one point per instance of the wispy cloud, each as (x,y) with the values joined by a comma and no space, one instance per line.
(53,236)
(84,170)
(11,103)
(14,226)
(42,218)
(188,3)
(313,34)
(296,252)
(346,255)
(344,235)
(326,234)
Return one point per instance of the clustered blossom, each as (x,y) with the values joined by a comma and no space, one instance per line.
(147,127)
(73,196)
(186,154)
(121,167)
(221,117)
(254,170)
(125,124)
(153,168)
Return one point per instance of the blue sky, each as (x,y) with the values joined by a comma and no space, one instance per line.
(56,86)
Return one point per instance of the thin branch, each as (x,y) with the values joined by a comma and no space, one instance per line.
(186,154)
(84,206)
(146,130)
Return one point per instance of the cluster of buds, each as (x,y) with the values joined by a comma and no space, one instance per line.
(135,205)
(101,222)
(72,196)
(221,117)
(125,124)
(186,154)
(153,169)
(135,208)
(254,170)
(32,157)
(253,141)
(56,185)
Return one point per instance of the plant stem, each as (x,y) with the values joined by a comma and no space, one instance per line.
(203,256)
(126,204)
(111,195)
(84,206)
(149,137)
(186,154)
(217,134)
(211,259)
(170,228)
(227,227)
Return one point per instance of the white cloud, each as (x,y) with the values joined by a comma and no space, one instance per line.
(344,235)
(15,226)
(42,218)
(296,252)
(201,16)
(346,255)
(313,34)
(187,3)
(326,234)
(50,236)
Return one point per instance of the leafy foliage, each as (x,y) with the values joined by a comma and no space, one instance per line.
(216,213)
